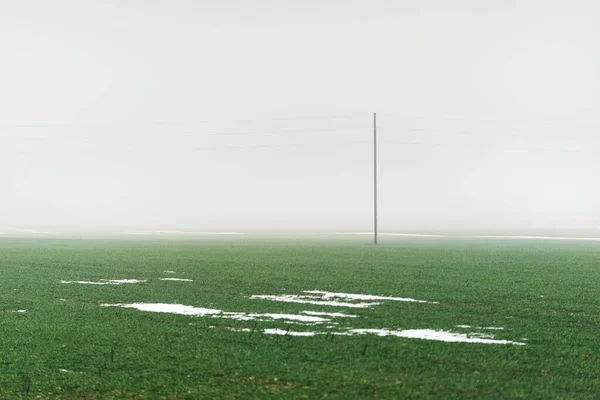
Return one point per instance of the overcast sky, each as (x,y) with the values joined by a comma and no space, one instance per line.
(242,115)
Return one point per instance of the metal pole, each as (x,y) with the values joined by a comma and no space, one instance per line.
(375,178)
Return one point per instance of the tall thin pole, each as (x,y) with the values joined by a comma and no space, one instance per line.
(375,178)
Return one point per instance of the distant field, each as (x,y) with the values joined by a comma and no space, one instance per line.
(494,318)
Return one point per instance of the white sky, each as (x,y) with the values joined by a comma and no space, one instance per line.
(192,114)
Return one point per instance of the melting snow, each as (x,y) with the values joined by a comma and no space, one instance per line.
(328,314)
(289,317)
(168,308)
(350,296)
(175,279)
(480,335)
(198,311)
(491,328)
(312,300)
(430,334)
(425,334)
(106,282)
(238,329)
(287,333)
(322,298)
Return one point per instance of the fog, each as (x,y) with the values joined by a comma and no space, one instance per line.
(258,116)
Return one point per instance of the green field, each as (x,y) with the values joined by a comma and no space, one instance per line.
(66,345)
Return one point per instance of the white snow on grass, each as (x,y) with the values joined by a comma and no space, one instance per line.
(430,334)
(368,297)
(323,298)
(106,282)
(320,317)
(199,311)
(288,317)
(424,334)
(312,300)
(316,317)
(492,328)
(328,314)
(121,281)
(288,333)
(175,279)
(168,308)
(480,335)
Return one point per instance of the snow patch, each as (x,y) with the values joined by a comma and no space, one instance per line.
(424,334)
(491,328)
(430,334)
(106,282)
(287,333)
(175,279)
(323,298)
(168,308)
(199,311)
(289,317)
(351,296)
(328,314)
(312,300)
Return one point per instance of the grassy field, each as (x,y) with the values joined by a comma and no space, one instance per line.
(66,345)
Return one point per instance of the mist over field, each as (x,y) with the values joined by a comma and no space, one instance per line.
(231,116)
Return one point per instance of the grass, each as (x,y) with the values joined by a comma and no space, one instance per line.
(126,353)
